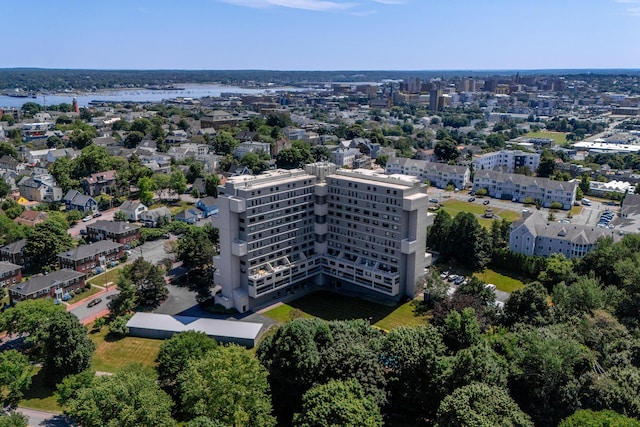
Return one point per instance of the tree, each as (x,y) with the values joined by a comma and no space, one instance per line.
(320,153)
(226,384)
(45,241)
(176,352)
(67,347)
(461,330)
(382,159)
(178,181)
(470,242)
(204,422)
(130,398)
(605,418)
(338,403)
(195,249)
(585,184)
(477,364)
(224,143)
(196,170)
(4,189)
(146,187)
(547,166)
(481,405)
(30,318)
(558,269)
(148,281)
(211,183)
(440,233)
(15,376)
(446,149)
(411,356)
(527,305)
(133,139)
(295,157)
(14,419)
(255,163)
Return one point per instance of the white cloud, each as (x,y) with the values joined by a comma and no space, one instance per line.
(633,11)
(389,1)
(314,5)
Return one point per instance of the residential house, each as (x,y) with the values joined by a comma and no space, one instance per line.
(40,188)
(535,235)
(208,206)
(218,118)
(118,231)
(517,187)
(252,147)
(100,182)
(199,185)
(59,153)
(439,175)
(9,163)
(189,216)
(53,285)
(84,258)
(10,273)
(75,200)
(177,136)
(14,253)
(132,210)
(31,218)
(155,217)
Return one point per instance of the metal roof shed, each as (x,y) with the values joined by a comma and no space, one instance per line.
(163,326)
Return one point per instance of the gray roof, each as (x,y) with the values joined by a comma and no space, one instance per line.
(526,180)
(15,247)
(76,198)
(157,212)
(208,201)
(129,205)
(6,267)
(538,225)
(90,250)
(211,327)
(39,283)
(186,214)
(426,166)
(115,227)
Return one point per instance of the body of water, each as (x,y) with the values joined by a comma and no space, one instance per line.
(135,95)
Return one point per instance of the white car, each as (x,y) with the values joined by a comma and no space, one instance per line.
(490,286)
(87,218)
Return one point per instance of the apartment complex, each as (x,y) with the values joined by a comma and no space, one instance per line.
(517,187)
(439,175)
(507,161)
(535,235)
(351,229)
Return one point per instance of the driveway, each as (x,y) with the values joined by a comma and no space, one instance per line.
(107,215)
(45,419)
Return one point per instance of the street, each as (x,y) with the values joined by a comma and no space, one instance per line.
(46,419)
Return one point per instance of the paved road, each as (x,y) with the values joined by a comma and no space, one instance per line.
(46,419)
(107,215)
(83,312)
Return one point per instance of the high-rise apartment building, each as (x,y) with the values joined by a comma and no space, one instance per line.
(356,230)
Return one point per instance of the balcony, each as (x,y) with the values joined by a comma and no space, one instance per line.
(321,228)
(321,209)
(239,248)
(408,246)
(237,205)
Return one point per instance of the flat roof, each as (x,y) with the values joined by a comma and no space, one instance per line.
(211,327)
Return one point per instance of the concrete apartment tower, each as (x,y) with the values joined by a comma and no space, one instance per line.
(354,230)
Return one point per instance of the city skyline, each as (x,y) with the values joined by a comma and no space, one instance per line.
(324,35)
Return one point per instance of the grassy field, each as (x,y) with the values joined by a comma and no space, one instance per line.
(111,275)
(504,281)
(330,306)
(91,291)
(558,137)
(40,395)
(453,207)
(111,355)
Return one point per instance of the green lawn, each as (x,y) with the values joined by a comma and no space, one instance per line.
(111,275)
(86,294)
(329,306)
(503,280)
(453,207)
(112,355)
(40,395)
(558,137)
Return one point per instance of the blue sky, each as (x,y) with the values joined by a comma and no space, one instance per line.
(321,34)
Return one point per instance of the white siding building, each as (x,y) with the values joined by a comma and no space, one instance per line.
(507,161)
(439,175)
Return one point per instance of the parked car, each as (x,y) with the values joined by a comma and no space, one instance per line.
(490,286)
(87,218)
(97,214)
(486,202)
(94,302)
(433,200)
(472,199)
(66,297)
(83,231)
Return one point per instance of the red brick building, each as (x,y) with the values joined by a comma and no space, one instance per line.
(57,282)
(10,273)
(85,258)
(118,231)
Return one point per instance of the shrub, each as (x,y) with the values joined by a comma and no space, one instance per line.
(118,326)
